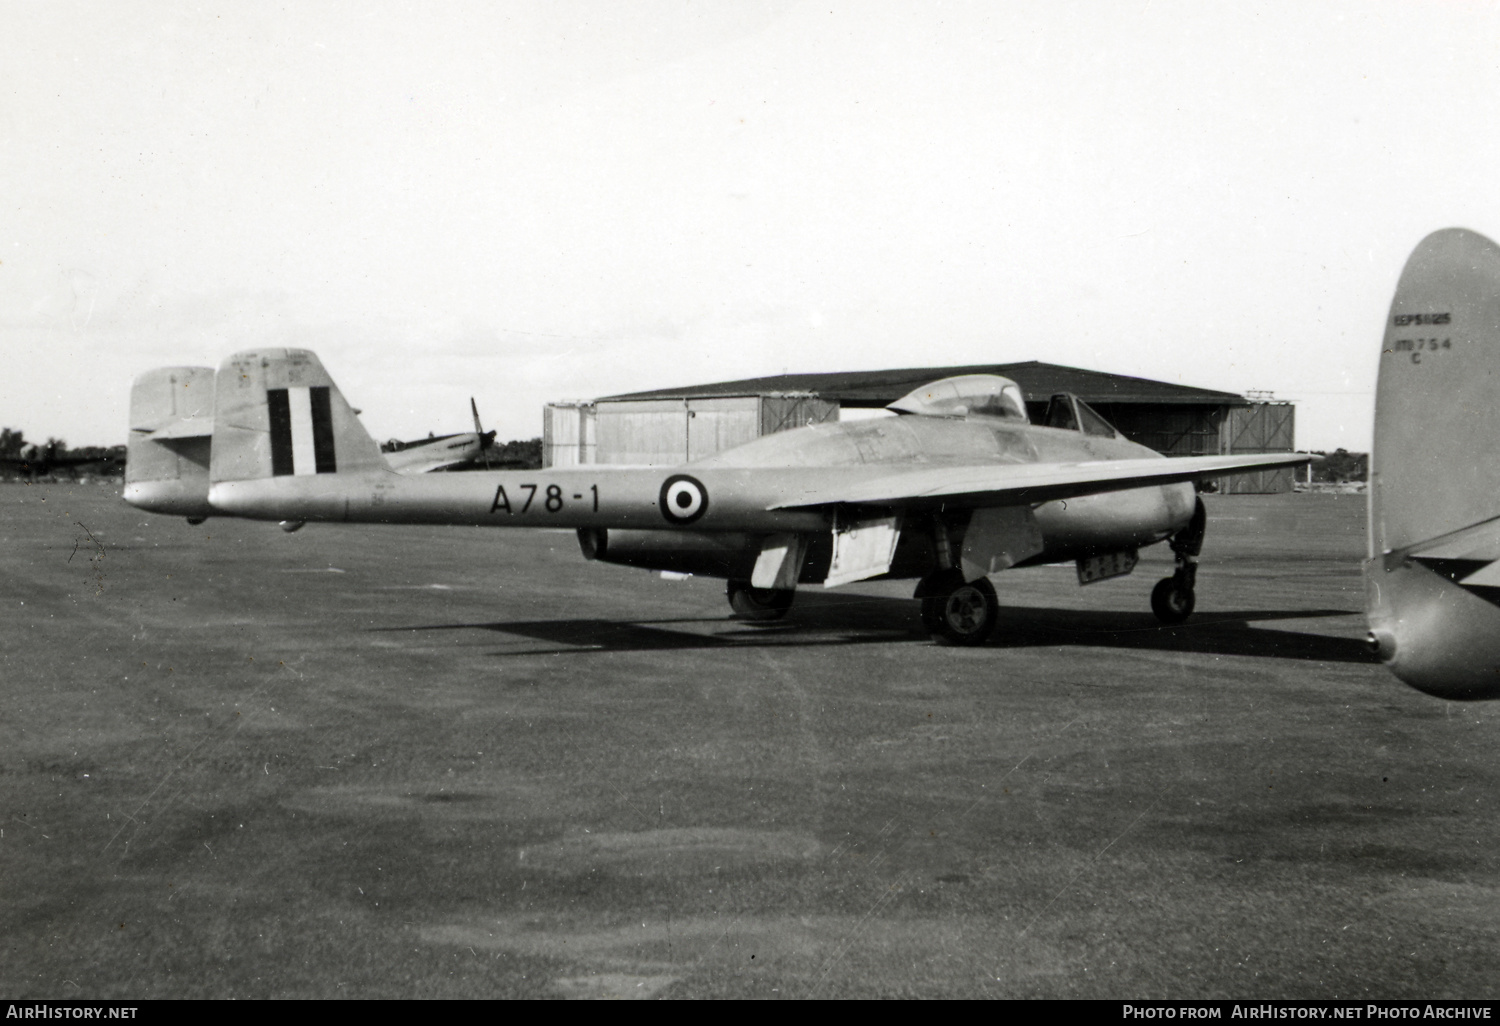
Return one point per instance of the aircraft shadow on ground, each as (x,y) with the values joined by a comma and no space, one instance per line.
(829,621)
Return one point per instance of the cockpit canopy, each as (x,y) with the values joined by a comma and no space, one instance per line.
(968,395)
(1073,414)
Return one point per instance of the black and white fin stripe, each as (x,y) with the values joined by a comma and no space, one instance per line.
(301,431)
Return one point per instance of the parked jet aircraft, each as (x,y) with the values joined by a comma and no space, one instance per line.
(959,487)
(1433,576)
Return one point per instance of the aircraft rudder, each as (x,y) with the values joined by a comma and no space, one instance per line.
(1437,401)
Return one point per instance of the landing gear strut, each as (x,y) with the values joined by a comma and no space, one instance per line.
(958,612)
(1172,599)
(759,603)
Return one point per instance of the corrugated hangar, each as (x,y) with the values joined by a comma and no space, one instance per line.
(668,426)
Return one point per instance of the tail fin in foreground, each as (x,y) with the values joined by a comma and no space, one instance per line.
(278,413)
(167,453)
(1433,578)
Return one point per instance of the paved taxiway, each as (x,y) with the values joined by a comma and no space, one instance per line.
(447,762)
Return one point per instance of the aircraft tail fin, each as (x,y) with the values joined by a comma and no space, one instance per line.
(1435,610)
(167,452)
(278,413)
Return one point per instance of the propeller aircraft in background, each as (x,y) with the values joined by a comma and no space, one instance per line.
(445,452)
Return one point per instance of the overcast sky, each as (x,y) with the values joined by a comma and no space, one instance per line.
(536,201)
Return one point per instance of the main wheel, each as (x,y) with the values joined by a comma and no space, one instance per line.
(965,614)
(1170,602)
(932,615)
(759,603)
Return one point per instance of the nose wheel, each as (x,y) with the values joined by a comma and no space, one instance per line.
(960,612)
(1172,599)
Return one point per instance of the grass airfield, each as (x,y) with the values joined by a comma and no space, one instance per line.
(428,762)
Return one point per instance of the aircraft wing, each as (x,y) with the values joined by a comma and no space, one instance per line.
(1013,484)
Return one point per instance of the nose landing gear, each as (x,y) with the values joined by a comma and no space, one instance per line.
(1172,599)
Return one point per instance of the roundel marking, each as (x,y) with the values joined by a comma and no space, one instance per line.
(683,499)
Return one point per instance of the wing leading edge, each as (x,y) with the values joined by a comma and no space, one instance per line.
(1012,484)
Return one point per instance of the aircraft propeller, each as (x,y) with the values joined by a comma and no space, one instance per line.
(486,438)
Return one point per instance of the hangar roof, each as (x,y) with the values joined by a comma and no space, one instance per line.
(1040,381)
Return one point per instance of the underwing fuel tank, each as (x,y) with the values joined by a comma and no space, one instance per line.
(1432,578)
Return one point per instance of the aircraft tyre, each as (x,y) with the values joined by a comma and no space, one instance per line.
(930,613)
(759,603)
(1171,602)
(964,614)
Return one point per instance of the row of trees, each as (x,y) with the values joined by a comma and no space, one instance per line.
(13,443)
(22,459)
(519,455)
(1342,466)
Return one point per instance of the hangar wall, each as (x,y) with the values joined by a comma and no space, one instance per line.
(673,426)
(1213,429)
(666,432)
(1260,427)
(568,434)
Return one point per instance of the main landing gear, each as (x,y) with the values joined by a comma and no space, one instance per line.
(1172,599)
(958,612)
(759,603)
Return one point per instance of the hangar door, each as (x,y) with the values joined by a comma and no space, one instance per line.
(1172,430)
(782,412)
(714,424)
(567,434)
(1261,427)
(667,432)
